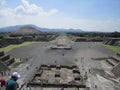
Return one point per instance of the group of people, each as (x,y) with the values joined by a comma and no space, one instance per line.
(11,83)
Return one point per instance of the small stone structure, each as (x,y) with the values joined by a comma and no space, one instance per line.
(28,38)
(86,39)
(14,40)
(61,44)
(61,47)
(3,43)
(5,61)
(10,40)
(116,70)
(57,76)
(46,37)
(112,41)
(113,61)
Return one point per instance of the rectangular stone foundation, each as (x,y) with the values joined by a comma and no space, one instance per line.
(57,76)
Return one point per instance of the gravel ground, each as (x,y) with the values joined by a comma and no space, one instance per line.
(81,54)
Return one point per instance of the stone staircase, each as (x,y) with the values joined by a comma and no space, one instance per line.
(113,61)
(5,62)
(116,70)
(6,59)
(112,41)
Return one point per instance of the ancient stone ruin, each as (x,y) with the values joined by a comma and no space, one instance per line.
(5,61)
(116,69)
(112,41)
(61,44)
(67,76)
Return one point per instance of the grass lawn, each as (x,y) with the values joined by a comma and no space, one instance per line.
(114,48)
(10,47)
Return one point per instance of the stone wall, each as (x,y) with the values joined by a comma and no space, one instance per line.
(14,40)
(116,70)
(86,39)
(112,41)
(5,61)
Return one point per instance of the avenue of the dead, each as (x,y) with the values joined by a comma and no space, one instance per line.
(94,72)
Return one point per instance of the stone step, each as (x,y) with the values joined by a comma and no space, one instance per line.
(111,62)
(4,58)
(116,70)
(9,61)
(118,54)
(3,67)
(116,59)
(1,53)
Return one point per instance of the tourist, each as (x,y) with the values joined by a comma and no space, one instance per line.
(89,71)
(95,86)
(27,67)
(11,83)
(2,82)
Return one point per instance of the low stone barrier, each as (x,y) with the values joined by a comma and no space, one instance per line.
(1,53)
(4,58)
(9,61)
(55,85)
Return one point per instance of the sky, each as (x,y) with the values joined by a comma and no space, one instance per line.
(87,15)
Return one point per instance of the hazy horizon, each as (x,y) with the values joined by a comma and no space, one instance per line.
(87,15)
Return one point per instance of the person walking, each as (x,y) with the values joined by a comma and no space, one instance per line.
(11,84)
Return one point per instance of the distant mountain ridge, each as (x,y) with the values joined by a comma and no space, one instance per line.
(17,27)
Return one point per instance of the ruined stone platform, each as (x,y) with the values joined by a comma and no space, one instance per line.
(57,76)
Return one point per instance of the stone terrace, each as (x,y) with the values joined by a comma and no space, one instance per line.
(5,61)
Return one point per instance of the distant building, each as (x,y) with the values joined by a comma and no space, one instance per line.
(4,61)
(28,38)
(112,41)
(3,43)
(14,40)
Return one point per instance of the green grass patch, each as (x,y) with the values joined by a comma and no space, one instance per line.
(10,47)
(114,48)
(18,60)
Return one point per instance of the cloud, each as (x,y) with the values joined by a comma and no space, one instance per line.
(33,9)
(2,2)
(19,10)
(53,11)
(27,13)
(97,25)
(25,3)
(26,9)
(6,12)
(84,24)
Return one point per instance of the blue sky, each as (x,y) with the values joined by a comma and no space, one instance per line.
(88,15)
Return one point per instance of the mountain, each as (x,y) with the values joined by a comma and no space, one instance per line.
(26,30)
(10,28)
(17,27)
